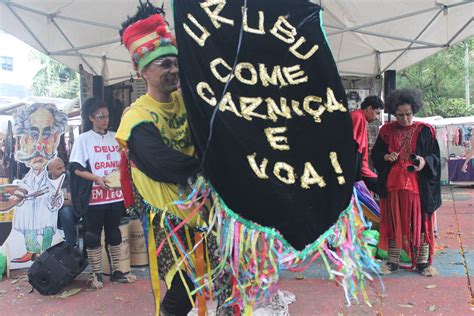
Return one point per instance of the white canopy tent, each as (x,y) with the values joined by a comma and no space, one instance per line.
(367,37)
(439,121)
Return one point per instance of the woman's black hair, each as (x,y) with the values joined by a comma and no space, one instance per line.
(89,107)
(145,10)
(412,97)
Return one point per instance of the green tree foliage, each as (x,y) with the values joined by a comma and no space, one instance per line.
(54,79)
(442,80)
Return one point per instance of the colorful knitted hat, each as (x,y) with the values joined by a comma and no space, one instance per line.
(148,39)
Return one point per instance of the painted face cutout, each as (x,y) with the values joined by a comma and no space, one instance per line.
(39,143)
(38,128)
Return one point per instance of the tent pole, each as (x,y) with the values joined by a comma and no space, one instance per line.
(398,38)
(21,7)
(70,43)
(459,31)
(59,52)
(398,17)
(402,49)
(406,15)
(419,34)
(95,56)
(45,50)
(466,76)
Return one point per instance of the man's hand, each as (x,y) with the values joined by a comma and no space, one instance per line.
(392,157)
(464,167)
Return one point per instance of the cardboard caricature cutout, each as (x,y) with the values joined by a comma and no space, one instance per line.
(36,198)
(280,151)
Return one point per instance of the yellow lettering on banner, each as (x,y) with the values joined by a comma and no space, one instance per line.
(200,90)
(214,14)
(284,171)
(337,167)
(248,106)
(277,142)
(201,40)
(253,73)
(216,74)
(227,104)
(247,28)
(260,171)
(332,104)
(283,30)
(299,42)
(295,106)
(310,177)
(248,74)
(276,76)
(295,75)
(290,172)
(316,114)
(273,110)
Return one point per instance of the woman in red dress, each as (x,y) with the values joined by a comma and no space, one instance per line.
(406,155)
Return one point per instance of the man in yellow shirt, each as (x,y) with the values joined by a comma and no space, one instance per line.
(155,131)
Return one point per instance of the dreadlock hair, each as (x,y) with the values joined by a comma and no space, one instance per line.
(413,97)
(88,108)
(145,10)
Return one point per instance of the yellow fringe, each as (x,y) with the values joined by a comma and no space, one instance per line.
(155,281)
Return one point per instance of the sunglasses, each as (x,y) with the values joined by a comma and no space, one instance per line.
(101,117)
(166,63)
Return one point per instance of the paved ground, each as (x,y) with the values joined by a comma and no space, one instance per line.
(406,293)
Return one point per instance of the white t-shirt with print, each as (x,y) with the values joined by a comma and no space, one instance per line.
(102,152)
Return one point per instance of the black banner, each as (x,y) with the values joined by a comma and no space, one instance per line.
(281,152)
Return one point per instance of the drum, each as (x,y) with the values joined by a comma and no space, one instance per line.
(138,250)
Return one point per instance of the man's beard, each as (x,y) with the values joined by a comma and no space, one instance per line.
(24,157)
